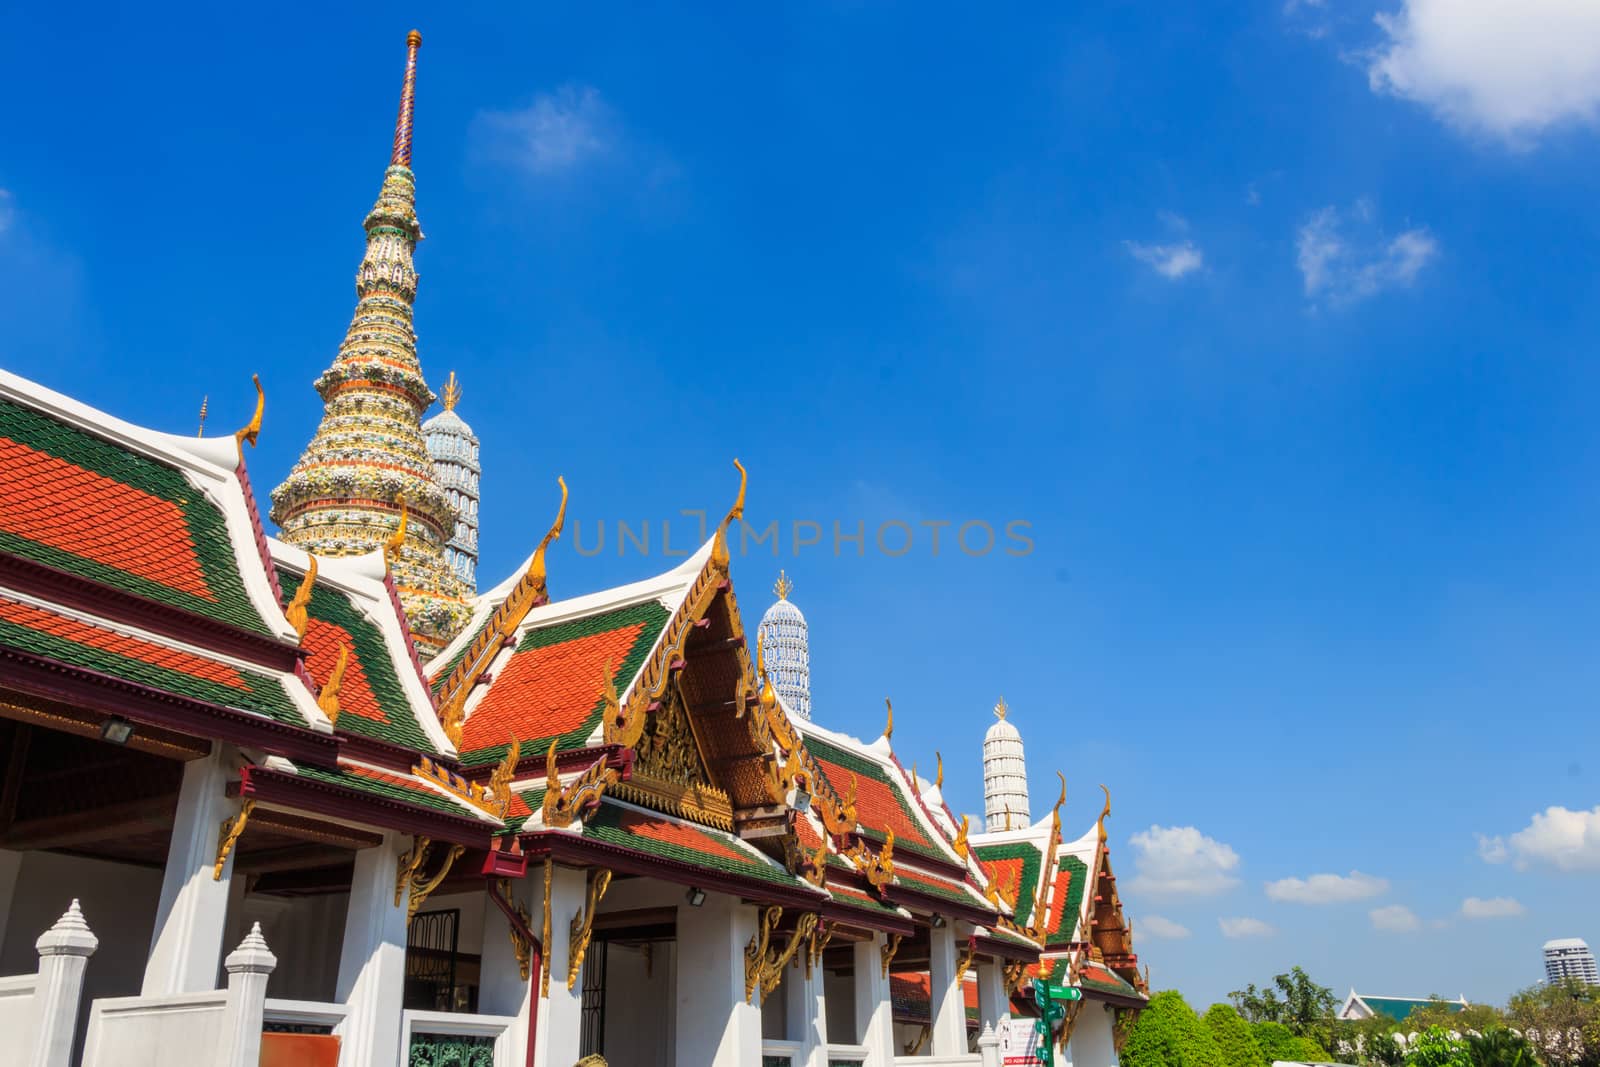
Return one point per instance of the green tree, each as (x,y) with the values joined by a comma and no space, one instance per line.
(1170,1034)
(1278,1042)
(1561,1022)
(1434,1047)
(1500,1047)
(1449,1015)
(1293,999)
(1233,1037)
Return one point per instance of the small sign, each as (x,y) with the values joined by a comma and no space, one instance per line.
(1019,1043)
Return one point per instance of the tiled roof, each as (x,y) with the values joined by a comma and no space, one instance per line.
(1016,867)
(852,897)
(553,686)
(372,701)
(935,885)
(1066,899)
(145,661)
(1098,977)
(1400,1008)
(881,800)
(909,994)
(390,785)
(81,504)
(668,838)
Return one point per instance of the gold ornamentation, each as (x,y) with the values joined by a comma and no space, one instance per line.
(251,429)
(960,842)
(818,874)
(783,587)
(755,953)
(1000,709)
(449,397)
(1100,824)
(888,727)
(820,936)
(521,947)
(500,780)
(938,774)
(407,867)
(719,548)
(472,793)
(886,952)
(620,729)
(775,960)
(1055,812)
(704,804)
(529,591)
(839,816)
(582,927)
(965,961)
(328,699)
(544,967)
(1014,974)
(881,872)
(669,749)
(397,540)
(228,836)
(297,613)
(422,886)
(564,806)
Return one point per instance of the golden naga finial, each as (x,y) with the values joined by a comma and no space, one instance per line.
(536,569)
(888,727)
(252,429)
(328,699)
(1100,824)
(769,696)
(205,401)
(719,549)
(1000,709)
(296,612)
(500,780)
(450,395)
(960,842)
(552,780)
(938,773)
(783,587)
(1055,812)
(397,540)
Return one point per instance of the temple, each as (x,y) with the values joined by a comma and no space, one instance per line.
(310,799)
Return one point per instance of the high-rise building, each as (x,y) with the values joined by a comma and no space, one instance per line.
(1569,957)
(1005,776)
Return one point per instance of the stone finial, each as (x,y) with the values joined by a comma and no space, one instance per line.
(70,936)
(252,956)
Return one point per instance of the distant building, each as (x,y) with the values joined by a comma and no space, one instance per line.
(1366,1006)
(1569,957)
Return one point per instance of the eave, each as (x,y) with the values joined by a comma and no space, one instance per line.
(290,790)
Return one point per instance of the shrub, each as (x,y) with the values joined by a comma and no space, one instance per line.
(1278,1042)
(1170,1034)
(1233,1037)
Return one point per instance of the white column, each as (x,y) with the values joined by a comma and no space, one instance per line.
(10,867)
(560,1014)
(874,1009)
(372,963)
(806,1011)
(249,967)
(501,988)
(191,917)
(64,952)
(993,1005)
(948,1007)
(717,1026)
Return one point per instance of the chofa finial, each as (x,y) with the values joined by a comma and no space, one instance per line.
(450,395)
(888,727)
(252,429)
(536,566)
(1100,824)
(719,548)
(783,587)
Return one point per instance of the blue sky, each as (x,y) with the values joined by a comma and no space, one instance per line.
(1274,323)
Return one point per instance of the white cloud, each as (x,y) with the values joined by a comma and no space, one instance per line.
(7,211)
(1161,928)
(1557,837)
(1245,928)
(1492,908)
(1327,888)
(558,132)
(1170,260)
(1492,849)
(1176,860)
(1396,918)
(1344,257)
(1509,70)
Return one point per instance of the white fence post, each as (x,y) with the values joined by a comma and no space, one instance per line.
(64,952)
(248,966)
(989,1047)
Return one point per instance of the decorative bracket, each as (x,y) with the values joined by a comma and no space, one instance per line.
(544,967)
(228,836)
(966,960)
(820,936)
(755,953)
(422,886)
(521,946)
(772,966)
(960,841)
(887,950)
(407,866)
(563,806)
(583,925)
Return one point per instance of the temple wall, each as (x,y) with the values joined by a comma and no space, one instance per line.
(639,1009)
(840,991)
(1091,1044)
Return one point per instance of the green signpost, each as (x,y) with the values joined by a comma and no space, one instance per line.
(1052,1001)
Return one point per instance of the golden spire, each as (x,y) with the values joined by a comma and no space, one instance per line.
(204,401)
(1000,709)
(1100,824)
(252,429)
(401,156)
(450,395)
(783,587)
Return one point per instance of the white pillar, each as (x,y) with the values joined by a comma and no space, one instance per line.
(989,1047)
(806,1011)
(249,967)
(64,952)
(561,1013)
(717,1026)
(10,867)
(501,987)
(944,991)
(874,1009)
(993,1004)
(372,963)
(191,917)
